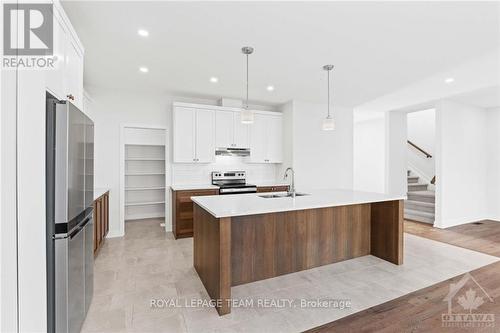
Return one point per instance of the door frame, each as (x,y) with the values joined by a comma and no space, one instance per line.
(168,219)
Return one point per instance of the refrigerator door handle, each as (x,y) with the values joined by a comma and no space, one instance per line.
(79,228)
(75,231)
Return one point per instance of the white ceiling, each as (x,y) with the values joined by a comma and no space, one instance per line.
(376,47)
(483,98)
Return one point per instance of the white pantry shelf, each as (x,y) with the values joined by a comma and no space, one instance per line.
(144,170)
(147,203)
(152,188)
(144,159)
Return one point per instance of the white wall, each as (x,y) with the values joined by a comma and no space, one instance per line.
(493,166)
(396,151)
(369,155)
(422,132)
(8,236)
(476,74)
(111,109)
(461,165)
(321,159)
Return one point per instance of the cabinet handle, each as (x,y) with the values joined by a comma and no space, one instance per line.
(71,97)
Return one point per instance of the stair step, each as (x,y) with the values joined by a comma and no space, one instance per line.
(417,187)
(423,196)
(419,216)
(412,179)
(420,206)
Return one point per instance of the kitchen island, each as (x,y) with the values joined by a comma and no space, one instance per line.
(247,237)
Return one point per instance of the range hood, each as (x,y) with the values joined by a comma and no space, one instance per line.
(232,151)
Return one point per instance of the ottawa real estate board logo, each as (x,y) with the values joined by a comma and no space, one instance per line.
(28,36)
(469,294)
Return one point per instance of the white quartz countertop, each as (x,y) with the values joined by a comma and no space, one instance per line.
(187,187)
(251,204)
(99,191)
(270,184)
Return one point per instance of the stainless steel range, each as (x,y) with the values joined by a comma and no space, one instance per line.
(232,182)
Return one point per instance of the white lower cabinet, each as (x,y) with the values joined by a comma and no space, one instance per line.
(193,135)
(266,139)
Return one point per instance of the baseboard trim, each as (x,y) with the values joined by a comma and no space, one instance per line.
(455,222)
(115,234)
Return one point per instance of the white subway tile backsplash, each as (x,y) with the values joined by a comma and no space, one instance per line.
(186,174)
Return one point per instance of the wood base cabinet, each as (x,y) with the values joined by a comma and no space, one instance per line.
(101,221)
(279,188)
(182,211)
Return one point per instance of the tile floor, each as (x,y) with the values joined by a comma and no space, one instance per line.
(148,264)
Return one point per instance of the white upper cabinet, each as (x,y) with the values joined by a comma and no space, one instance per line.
(74,73)
(65,81)
(241,132)
(230,132)
(274,139)
(199,129)
(55,78)
(258,139)
(184,135)
(205,136)
(193,135)
(224,125)
(266,139)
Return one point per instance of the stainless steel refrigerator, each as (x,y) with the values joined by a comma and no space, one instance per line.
(70,225)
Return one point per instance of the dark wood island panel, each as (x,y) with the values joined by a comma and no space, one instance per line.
(231,251)
(268,245)
(212,256)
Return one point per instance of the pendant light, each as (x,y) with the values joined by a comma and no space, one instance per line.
(328,122)
(246,114)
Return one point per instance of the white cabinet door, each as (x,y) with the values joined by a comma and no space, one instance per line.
(55,78)
(205,136)
(224,130)
(258,139)
(184,135)
(241,132)
(74,72)
(274,139)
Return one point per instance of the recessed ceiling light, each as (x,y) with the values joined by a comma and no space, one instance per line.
(143,33)
(449,80)
(270,88)
(213,79)
(143,69)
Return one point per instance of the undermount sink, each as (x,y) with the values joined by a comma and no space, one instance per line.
(282,195)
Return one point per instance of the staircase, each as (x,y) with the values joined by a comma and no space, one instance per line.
(420,205)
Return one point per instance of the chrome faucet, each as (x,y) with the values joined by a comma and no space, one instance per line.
(291,188)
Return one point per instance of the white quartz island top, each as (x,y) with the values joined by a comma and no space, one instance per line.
(251,204)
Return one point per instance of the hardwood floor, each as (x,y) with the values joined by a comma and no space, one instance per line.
(482,236)
(421,311)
